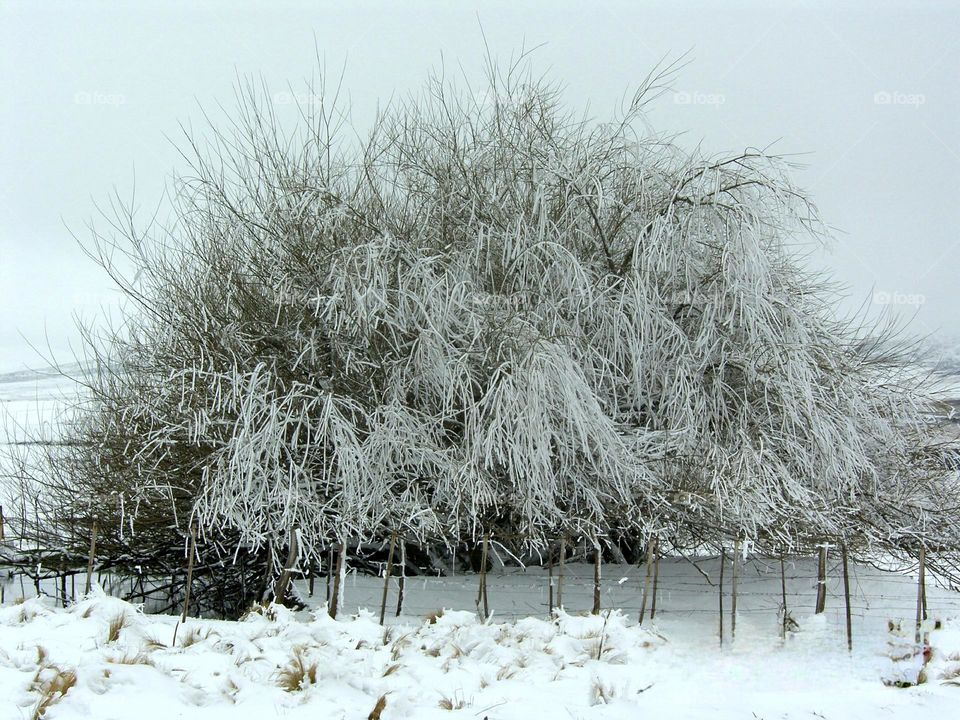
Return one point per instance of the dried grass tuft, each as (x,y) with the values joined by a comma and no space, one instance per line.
(602,693)
(951,676)
(52,683)
(298,673)
(140,658)
(194,635)
(457,702)
(118,623)
(378,708)
(398,646)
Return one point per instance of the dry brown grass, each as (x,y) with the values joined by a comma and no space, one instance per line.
(602,693)
(951,676)
(391,670)
(378,708)
(266,611)
(398,646)
(230,691)
(298,673)
(118,623)
(140,658)
(51,683)
(194,635)
(152,643)
(457,702)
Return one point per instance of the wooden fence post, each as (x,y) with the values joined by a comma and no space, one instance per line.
(403,576)
(93,550)
(560,569)
(549,581)
(723,561)
(656,577)
(338,580)
(482,589)
(821,580)
(189,585)
(846,596)
(280,589)
(596,578)
(331,569)
(783,593)
(646,580)
(386,576)
(921,581)
(733,589)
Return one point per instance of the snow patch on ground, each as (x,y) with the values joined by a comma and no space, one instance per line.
(276,663)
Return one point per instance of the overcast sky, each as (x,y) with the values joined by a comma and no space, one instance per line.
(867,91)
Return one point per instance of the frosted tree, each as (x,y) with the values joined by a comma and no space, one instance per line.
(488,315)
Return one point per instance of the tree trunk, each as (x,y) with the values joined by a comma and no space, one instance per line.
(386,577)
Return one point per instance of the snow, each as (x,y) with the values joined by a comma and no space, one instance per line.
(521,664)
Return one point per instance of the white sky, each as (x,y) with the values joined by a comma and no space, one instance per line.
(88,92)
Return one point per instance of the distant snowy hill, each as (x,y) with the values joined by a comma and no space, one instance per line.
(31,398)
(943,354)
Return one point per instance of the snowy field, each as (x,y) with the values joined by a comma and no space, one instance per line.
(120,663)
(30,399)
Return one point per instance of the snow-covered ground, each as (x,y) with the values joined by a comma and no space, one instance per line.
(521,664)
